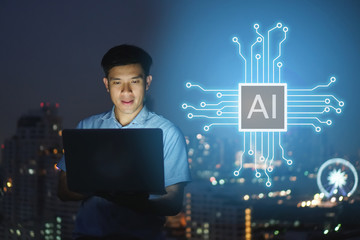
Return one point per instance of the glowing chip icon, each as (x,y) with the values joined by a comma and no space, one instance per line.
(257,106)
(262,107)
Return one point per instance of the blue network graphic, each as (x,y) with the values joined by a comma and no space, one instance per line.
(302,107)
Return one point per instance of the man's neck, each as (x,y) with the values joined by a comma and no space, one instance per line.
(125,119)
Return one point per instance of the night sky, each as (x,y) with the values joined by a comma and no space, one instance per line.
(50,51)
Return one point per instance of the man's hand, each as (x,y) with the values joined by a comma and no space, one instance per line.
(63,191)
(170,203)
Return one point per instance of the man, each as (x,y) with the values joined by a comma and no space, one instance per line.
(128,216)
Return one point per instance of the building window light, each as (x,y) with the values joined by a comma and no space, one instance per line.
(9,184)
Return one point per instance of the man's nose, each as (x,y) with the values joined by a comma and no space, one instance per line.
(126,88)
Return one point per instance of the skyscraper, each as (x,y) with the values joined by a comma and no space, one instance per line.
(30,207)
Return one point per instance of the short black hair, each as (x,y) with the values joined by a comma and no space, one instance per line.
(124,55)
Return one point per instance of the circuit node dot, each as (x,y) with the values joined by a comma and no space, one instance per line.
(327,109)
(188,85)
(268,184)
(236,173)
(338,110)
(184,106)
(235,39)
(256,26)
(327,101)
(318,129)
(285,29)
(258,56)
(329,122)
(250,152)
(332,79)
(259,39)
(190,115)
(219,113)
(206,128)
(258,174)
(341,103)
(270,169)
(279,64)
(262,158)
(279,25)
(219,95)
(289,162)
(202,104)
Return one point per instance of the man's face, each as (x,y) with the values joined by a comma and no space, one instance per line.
(127,85)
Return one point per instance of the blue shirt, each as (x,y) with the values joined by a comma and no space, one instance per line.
(100,217)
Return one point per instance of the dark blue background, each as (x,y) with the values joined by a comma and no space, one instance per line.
(51,50)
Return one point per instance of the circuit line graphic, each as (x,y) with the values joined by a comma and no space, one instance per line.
(263,107)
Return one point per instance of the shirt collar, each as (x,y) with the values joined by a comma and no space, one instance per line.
(139,119)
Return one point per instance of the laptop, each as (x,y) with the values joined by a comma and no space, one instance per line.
(114,160)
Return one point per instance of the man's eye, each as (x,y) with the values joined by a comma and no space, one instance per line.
(116,82)
(135,81)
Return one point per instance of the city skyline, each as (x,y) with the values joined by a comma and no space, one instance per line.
(30,207)
(216,203)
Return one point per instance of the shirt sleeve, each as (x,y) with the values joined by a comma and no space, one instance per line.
(176,164)
(61,164)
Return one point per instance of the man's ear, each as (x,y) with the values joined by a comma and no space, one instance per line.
(106,83)
(148,82)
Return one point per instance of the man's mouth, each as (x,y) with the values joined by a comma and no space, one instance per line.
(127,102)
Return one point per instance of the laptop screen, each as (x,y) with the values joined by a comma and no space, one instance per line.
(128,160)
